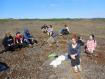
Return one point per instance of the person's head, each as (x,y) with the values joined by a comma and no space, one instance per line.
(44,25)
(65,25)
(26,30)
(50,26)
(18,34)
(7,34)
(79,37)
(92,37)
(74,39)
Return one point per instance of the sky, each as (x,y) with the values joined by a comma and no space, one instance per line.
(52,9)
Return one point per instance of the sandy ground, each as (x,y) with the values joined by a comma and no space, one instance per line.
(33,63)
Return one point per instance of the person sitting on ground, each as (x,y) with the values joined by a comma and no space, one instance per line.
(90,45)
(8,42)
(80,41)
(66,27)
(55,37)
(44,28)
(50,30)
(19,40)
(28,38)
(74,53)
(52,39)
(65,30)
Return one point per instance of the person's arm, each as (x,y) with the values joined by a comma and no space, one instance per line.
(87,43)
(68,29)
(13,41)
(95,44)
(78,49)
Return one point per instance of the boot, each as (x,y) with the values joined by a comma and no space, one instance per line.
(75,69)
(79,68)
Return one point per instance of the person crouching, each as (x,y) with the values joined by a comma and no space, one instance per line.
(8,42)
(28,38)
(91,45)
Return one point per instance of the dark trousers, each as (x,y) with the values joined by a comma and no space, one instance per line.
(76,61)
(8,48)
(3,67)
(19,46)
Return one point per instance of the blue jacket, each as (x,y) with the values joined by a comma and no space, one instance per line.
(27,34)
(8,41)
(72,50)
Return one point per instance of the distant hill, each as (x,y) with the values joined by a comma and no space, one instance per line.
(55,19)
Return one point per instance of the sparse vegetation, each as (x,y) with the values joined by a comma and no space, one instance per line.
(33,63)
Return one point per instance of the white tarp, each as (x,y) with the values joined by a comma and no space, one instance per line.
(57,61)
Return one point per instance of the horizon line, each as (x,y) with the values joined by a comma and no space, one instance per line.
(54,18)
